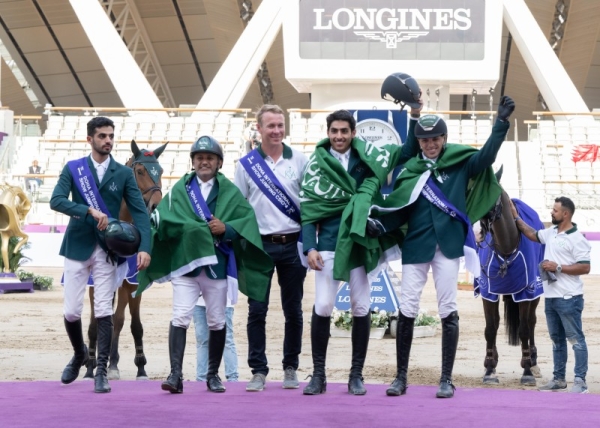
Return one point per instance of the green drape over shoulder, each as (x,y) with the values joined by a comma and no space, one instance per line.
(182,240)
(482,194)
(329,190)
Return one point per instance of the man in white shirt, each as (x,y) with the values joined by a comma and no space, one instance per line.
(567,255)
(281,168)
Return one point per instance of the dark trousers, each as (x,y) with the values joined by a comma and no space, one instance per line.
(290,274)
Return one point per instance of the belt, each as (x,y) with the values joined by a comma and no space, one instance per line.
(281,238)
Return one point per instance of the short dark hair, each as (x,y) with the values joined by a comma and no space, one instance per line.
(566,204)
(343,115)
(98,122)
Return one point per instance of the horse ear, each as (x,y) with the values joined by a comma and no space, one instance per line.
(498,173)
(161,149)
(134,148)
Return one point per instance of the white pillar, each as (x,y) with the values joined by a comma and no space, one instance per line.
(129,81)
(230,85)
(555,85)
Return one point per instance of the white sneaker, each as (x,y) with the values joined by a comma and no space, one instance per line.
(579,386)
(257,383)
(554,385)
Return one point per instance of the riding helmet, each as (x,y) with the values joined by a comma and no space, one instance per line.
(206,144)
(402,88)
(430,126)
(122,238)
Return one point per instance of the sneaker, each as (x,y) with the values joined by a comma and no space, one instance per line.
(579,386)
(554,385)
(257,383)
(290,380)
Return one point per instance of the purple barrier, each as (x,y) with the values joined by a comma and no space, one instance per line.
(44,228)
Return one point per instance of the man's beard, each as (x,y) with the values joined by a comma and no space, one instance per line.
(555,221)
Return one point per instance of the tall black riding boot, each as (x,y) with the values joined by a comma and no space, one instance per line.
(105,334)
(449,345)
(319,339)
(80,357)
(404,337)
(361,329)
(177,337)
(216,345)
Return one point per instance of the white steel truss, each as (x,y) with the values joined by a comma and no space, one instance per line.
(127,21)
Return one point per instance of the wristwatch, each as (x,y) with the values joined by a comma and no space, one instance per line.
(558,268)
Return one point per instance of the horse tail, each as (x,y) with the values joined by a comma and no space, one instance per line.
(511,320)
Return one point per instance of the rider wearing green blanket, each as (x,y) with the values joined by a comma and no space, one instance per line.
(341,182)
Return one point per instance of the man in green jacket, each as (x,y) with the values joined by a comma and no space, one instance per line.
(432,190)
(342,170)
(97,185)
(205,239)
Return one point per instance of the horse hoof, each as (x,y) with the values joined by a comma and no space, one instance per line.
(488,380)
(114,374)
(537,373)
(528,381)
(142,378)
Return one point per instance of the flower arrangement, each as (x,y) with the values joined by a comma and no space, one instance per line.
(40,282)
(343,319)
(379,319)
(424,319)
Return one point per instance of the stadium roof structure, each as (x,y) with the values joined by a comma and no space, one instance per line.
(180,46)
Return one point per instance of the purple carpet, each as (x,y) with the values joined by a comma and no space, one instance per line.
(144,404)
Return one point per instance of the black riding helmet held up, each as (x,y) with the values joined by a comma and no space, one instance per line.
(430,126)
(206,144)
(402,88)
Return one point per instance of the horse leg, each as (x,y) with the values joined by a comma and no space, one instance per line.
(137,330)
(119,320)
(93,339)
(524,334)
(535,369)
(492,322)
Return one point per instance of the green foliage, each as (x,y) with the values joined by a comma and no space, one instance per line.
(43,282)
(343,319)
(15,260)
(24,275)
(424,319)
(40,282)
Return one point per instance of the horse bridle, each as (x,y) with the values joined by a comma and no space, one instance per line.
(151,189)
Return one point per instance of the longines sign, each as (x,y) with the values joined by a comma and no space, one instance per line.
(392,29)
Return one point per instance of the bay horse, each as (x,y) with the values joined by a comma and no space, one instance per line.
(147,172)
(509,268)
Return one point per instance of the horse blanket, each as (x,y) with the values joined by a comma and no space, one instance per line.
(522,279)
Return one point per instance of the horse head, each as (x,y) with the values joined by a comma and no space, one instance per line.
(500,222)
(148,173)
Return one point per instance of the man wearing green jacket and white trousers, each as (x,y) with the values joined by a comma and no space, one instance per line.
(341,170)
(205,234)
(432,192)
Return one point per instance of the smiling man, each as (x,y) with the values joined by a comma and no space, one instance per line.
(439,205)
(338,170)
(269,177)
(199,228)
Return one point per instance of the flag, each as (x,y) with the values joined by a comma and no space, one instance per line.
(182,240)
(329,190)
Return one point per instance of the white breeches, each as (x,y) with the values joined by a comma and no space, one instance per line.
(186,291)
(326,289)
(75,281)
(445,277)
